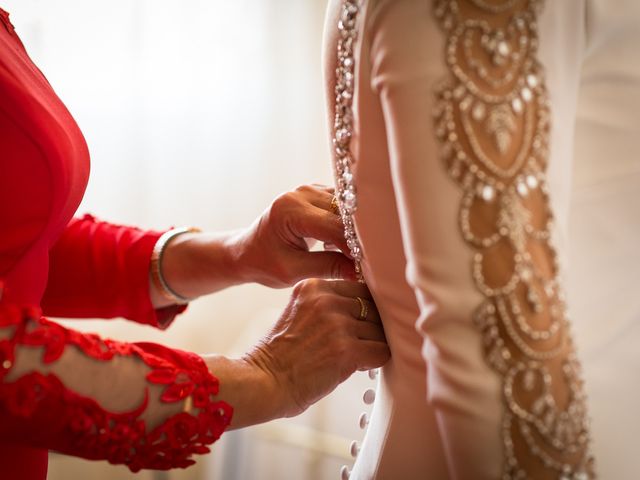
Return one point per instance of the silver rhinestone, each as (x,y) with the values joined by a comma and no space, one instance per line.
(342,135)
(488,193)
(532,181)
(516,104)
(349,200)
(522,189)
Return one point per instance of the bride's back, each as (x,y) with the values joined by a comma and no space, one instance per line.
(399,123)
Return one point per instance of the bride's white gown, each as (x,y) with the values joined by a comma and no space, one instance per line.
(440,127)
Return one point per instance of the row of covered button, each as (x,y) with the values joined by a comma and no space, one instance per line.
(368,397)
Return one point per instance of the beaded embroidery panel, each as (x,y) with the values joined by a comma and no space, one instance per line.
(343,126)
(492,116)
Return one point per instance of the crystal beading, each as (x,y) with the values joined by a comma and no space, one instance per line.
(343,127)
(345,185)
(492,118)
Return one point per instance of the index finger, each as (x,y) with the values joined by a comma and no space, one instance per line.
(322,225)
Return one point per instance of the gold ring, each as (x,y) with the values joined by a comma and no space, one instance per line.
(364,310)
(335,208)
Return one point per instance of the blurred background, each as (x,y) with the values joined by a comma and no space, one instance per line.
(199,112)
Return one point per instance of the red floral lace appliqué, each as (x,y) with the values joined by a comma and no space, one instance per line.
(79,426)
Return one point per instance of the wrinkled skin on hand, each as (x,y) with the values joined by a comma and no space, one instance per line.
(316,344)
(274,248)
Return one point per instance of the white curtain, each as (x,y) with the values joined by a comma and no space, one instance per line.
(198,112)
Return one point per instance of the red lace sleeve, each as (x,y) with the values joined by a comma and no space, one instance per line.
(98,269)
(101,399)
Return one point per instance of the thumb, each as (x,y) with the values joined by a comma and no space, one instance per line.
(327,265)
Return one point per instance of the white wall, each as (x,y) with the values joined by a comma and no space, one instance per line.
(196,112)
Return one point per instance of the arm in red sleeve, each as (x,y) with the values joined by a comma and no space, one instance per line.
(100,399)
(98,269)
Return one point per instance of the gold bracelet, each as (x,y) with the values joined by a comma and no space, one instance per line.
(156,265)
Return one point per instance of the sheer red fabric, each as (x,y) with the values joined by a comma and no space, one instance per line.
(39,410)
(55,383)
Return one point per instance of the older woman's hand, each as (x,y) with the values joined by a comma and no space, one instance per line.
(322,337)
(273,251)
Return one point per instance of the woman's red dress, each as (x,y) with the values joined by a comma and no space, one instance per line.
(54,264)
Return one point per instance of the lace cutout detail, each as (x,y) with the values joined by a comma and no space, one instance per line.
(492,117)
(81,426)
(343,126)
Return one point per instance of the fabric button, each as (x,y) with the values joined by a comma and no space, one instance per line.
(369,396)
(373,374)
(345,473)
(354,449)
(363,421)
